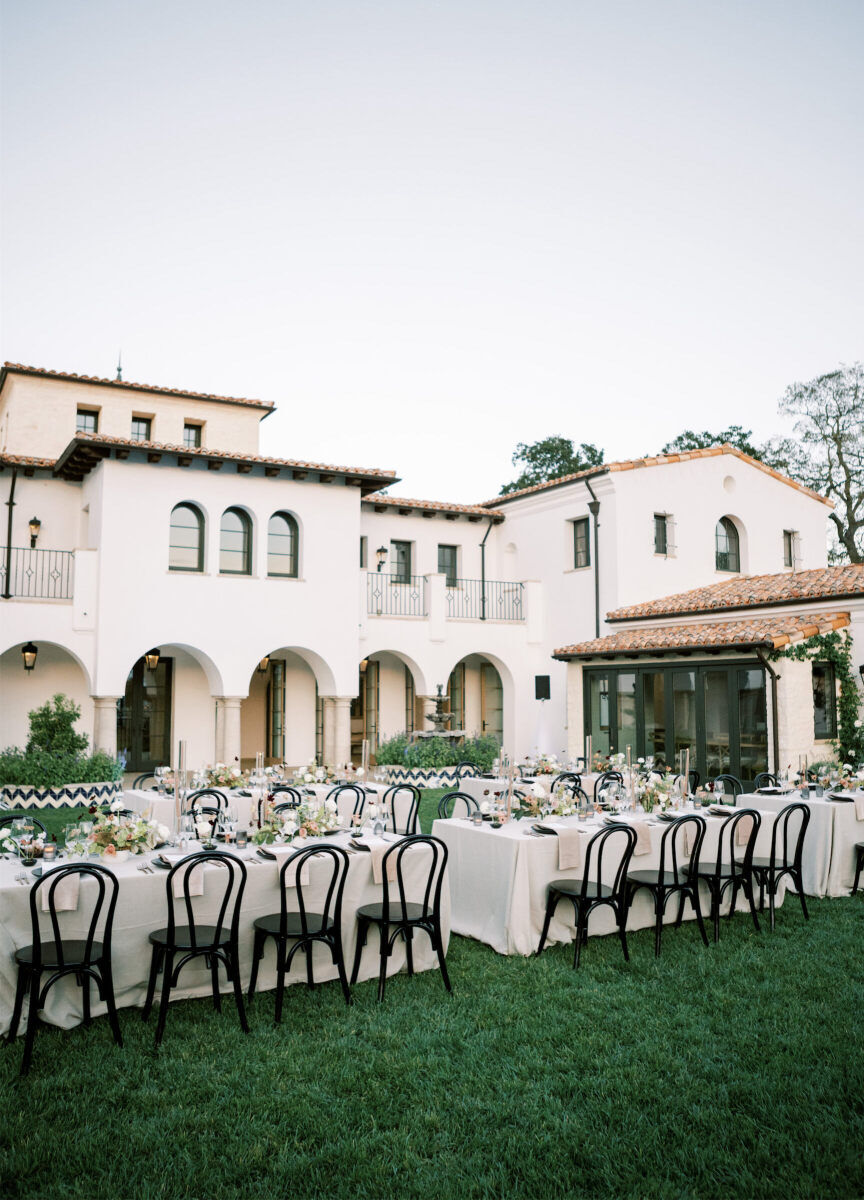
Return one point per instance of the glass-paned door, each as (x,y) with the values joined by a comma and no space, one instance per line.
(626,731)
(276,710)
(456,694)
(410,700)
(598,713)
(654,707)
(717,723)
(684,719)
(144,716)
(752,723)
(491,703)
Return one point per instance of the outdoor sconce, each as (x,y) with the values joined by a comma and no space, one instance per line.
(35,526)
(364,666)
(264,664)
(151,658)
(29,652)
(381,554)
(861,672)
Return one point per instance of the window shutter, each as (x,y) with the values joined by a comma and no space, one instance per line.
(671,538)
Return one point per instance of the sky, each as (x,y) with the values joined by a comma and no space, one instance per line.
(428,231)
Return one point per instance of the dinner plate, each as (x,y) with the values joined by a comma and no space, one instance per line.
(545,829)
(840,799)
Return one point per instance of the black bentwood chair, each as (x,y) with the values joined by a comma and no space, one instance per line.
(292,800)
(85,958)
(466,770)
(404,802)
(448,805)
(785,859)
(859,864)
(304,928)
(214,943)
(355,792)
(731,871)
(606,778)
(4,821)
(142,781)
(398,916)
(676,875)
(586,894)
(764,779)
(568,778)
(730,781)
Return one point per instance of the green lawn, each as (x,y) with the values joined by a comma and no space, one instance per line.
(733,1071)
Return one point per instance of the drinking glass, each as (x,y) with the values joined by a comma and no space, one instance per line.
(719,789)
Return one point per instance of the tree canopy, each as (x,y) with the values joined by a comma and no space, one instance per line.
(550,458)
(774,453)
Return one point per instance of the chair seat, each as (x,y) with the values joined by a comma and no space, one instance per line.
(654,879)
(573,887)
(413,912)
(765,863)
(725,872)
(205,936)
(293,926)
(74,954)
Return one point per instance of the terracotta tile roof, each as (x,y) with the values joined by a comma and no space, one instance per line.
(753,591)
(25,460)
(769,632)
(431,505)
(87,449)
(659,460)
(71,377)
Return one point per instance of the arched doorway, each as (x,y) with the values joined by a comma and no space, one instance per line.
(167,697)
(283,714)
(56,670)
(476,697)
(387,702)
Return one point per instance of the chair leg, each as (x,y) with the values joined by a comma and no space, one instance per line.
(281,954)
(85,999)
(551,905)
(680,917)
(32,1018)
(108,990)
(234,959)
(858,865)
(439,950)
(155,963)
(581,930)
(715,911)
(658,924)
(20,993)
(734,899)
(310,977)
(339,963)
(362,933)
(799,883)
(409,949)
(214,982)
(697,908)
(384,931)
(167,970)
(257,955)
(622,932)
(748,892)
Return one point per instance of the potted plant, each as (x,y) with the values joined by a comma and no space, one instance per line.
(55,770)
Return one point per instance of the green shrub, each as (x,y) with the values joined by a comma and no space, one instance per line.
(392,752)
(431,754)
(53,756)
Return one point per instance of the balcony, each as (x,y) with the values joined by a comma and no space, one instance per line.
(465,600)
(36,574)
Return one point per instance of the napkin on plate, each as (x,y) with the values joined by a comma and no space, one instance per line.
(569,848)
(280,853)
(196,879)
(65,894)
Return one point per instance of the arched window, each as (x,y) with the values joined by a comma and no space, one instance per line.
(283,543)
(186,543)
(727,556)
(235,543)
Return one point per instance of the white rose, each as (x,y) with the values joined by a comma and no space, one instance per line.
(360,772)
(163,833)
(117,804)
(307,778)
(319,775)
(372,810)
(485,806)
(235,771)
(331,805)
(537,791)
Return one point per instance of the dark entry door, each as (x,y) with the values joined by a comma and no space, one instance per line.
(144,716)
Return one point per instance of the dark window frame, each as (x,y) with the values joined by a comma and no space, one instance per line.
(87,414)
(246,523)
(143,434)
(581,543)
(788,547)
(451,578)
(661,534)
(827,728)
(199,516)
(398,573)
(727,547)
(197,430)
(293,556)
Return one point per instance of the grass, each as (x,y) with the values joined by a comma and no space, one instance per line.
(733,1071)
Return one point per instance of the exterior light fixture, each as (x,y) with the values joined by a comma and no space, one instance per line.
(151,658)
(381,554)
(263,664)
(364,665)
(35,526)
(29,652)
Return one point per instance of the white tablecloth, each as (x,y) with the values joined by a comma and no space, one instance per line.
(485,789)
(142,907)
(162,807)
(828,860)
(499,880)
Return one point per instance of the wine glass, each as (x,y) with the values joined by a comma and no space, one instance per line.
(719,790)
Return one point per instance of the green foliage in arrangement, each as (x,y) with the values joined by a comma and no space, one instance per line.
(836,648)
(431,753)
(56,753)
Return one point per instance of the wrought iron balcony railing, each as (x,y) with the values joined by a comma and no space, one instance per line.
(36,574)
(395,595)
(485,600)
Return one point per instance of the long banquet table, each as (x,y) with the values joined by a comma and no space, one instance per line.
(142,907)
(161,807)
(499,880)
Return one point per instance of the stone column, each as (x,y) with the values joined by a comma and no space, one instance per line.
(231,729)
(329,714)
(105,724)
(342,728)
(219,740)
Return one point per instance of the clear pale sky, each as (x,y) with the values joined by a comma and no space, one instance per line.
(428,231)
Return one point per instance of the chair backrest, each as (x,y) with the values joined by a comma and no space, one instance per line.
(404,801)
(607,777)
(233,884)
(764,779)
(728,847)
(294,798)
(676,857)
(211,795)
(107,890)
(448,804)
(597,847)
(140,781)
(730,781)
(791,825)
(579,794)
(467,770)
(4,821)
(694,777)
(569,778)
(406,853)
(353,790)
(292,869)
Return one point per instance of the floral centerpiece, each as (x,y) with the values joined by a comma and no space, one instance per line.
(656,790)
(537,802)
(27,847)
(222,775)
(313,818)
(541,764)
(312,773)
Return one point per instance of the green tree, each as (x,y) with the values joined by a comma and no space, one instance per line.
(550,458)
(774,453)
(52,728)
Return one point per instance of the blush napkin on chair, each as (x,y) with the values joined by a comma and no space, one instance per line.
(859,806)
(643,837)
(196,879)
(742,833)
(569,848)
(379,849)
(65,894)
(280,853)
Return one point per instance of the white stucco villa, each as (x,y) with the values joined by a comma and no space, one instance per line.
(297,608)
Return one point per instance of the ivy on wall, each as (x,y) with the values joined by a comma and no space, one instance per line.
(836,648)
